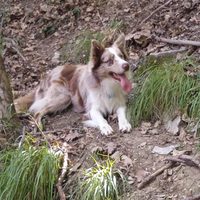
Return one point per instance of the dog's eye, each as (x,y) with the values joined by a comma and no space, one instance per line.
(110,61)
(121,56)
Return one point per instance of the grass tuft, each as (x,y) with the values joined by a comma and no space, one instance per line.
(166,89)
(101,182)
(79,51)
(28,174)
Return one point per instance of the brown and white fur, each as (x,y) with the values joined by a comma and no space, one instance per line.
(98,88)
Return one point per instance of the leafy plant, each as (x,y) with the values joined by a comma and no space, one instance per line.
(48,28)
(101,182)
(165,89)
(76,12)
(28,174)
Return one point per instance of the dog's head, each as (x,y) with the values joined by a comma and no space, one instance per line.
(111,62)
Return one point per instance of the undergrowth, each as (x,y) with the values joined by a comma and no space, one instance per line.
(79,51)
(103,182)
(28,174)
(166,89)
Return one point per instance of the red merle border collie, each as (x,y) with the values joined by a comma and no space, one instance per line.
(98,88)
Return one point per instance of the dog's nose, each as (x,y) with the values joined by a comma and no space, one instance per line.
(125,66)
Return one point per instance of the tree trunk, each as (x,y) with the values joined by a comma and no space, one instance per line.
(7,108)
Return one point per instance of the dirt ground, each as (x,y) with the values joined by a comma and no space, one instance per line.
(42,28)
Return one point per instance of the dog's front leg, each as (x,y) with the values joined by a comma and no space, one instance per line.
(124,125)
(98,119)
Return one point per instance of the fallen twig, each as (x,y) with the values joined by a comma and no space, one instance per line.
(144,20)
(152,176)
(185,159)
(166,53)
(14,47)
(24,59)
(100,18)
(22,139)
(57,130)
(64,171)
(168,2)
(196,197)
(2,18)
(21,116)
(180,42)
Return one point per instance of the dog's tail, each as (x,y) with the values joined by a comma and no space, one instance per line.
(22,104)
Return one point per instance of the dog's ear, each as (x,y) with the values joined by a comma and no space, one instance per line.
(121,44)
(97,50)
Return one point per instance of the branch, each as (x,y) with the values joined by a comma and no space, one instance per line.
(100,18)
(57,130)
(63,173)
(2,18)
(180,42)
(185,159)
(196,197)
(14,47)
(168,2)
(152,176)
(24,59)
(22,139)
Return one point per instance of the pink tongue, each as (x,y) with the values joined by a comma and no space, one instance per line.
(125,83)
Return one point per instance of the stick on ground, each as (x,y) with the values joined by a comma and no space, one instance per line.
(23,137)
(152,176)
(196,197)
(179,42)
(63,173)
(167,3)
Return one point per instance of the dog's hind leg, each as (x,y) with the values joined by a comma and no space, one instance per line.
(51,107)
(57,98)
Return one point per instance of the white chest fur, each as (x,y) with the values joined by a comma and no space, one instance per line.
(108,97)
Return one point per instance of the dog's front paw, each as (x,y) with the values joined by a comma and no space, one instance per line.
(125,126)
(106,129)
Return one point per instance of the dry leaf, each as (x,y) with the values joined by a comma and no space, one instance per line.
(111,146)
(157,123)
(131,180)
(72,135)
(182,134)
(141,175)
(145,126)
(184,152)
(172,125)
(126,160)
(116,155)
(133,56)
(75,167)
(97,149)
(142,144)
(153,131)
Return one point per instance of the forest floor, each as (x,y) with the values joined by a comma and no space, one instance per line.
(42,29)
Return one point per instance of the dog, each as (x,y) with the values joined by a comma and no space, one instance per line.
(98,88)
